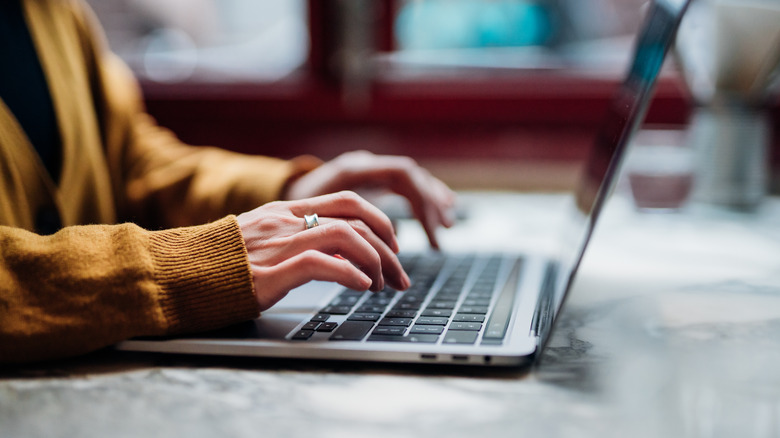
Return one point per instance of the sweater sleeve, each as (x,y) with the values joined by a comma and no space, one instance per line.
(87,287)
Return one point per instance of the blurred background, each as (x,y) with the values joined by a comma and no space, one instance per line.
(264,40)
(487,93)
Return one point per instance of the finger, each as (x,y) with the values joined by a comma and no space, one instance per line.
(337,237)
(427,214)
(432,191)
(333,237)
(392,270)
(349,205)
(430,199)
(412,184)
(445,201)
(278,280)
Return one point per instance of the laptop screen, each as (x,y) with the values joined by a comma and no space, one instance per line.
(625,114)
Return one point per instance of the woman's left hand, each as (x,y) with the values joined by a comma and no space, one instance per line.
(431,201)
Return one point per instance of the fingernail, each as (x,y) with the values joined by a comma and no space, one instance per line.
(378,285)
(434,242)
(406,280)
(448,218)
(365,281)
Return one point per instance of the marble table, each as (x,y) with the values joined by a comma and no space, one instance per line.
(672,329)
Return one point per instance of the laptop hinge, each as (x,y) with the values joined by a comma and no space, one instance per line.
(544,312)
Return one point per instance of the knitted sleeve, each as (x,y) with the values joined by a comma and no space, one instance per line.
(88,287)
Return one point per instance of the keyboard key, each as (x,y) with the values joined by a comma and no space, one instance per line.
(363,317)
(345,300)
(403,322)
(384,338)
(401,314)
(482,288)
(498,322)
(427,330)
(445,294)
(302,335)
(480,310)
(387,292)
(389,330)
(480,295)
(464,317)
(448,290)
(445,313)
(486,341)
(351,331)
(460,337)
(371,309)
(476,302)
(431,320)
(421,339)
(336,310)
(410,298)
(327,327)
(320,317)
(378,301)
(469,326)
(427,339)
(441,305)
(407,306)
(311,325)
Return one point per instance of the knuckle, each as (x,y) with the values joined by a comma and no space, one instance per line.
(376,259)
(408,163)
(274,224)
(359,226)
(293,221)
(309,257)
(274,205)
(349,197)
(341,229)
(347,157)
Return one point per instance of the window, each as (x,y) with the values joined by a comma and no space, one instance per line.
(460,36)
(452,83)
(174,41)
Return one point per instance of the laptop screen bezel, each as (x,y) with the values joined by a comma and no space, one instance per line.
(625,114)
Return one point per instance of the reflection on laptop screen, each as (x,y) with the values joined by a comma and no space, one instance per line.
(625,114)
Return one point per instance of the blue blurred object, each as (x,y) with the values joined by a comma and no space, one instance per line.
(455,24)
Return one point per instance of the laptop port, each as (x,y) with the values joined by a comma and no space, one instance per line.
(428,356)
(460,357)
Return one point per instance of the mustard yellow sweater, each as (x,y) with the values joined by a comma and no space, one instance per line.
(97,282)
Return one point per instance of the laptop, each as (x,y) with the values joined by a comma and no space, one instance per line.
(481,309)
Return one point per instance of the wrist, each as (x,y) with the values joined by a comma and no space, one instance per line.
(204,276)
(300,167)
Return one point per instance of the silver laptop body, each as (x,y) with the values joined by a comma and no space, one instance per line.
(478,309)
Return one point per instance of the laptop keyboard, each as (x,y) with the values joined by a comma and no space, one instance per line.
(454,299)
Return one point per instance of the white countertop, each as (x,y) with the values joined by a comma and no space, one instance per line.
(672,329)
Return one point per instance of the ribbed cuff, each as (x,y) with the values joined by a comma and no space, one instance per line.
(204,276)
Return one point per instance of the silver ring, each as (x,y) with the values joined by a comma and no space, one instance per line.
(311,221)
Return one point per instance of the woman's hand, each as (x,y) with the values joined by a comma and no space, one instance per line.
(431,201)
(354,245)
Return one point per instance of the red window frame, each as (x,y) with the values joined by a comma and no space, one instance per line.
(529,116)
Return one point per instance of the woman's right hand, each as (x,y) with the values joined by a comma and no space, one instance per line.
(354,245)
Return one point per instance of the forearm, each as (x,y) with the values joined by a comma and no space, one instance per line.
(161,182)
(91,286)
(170,184)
